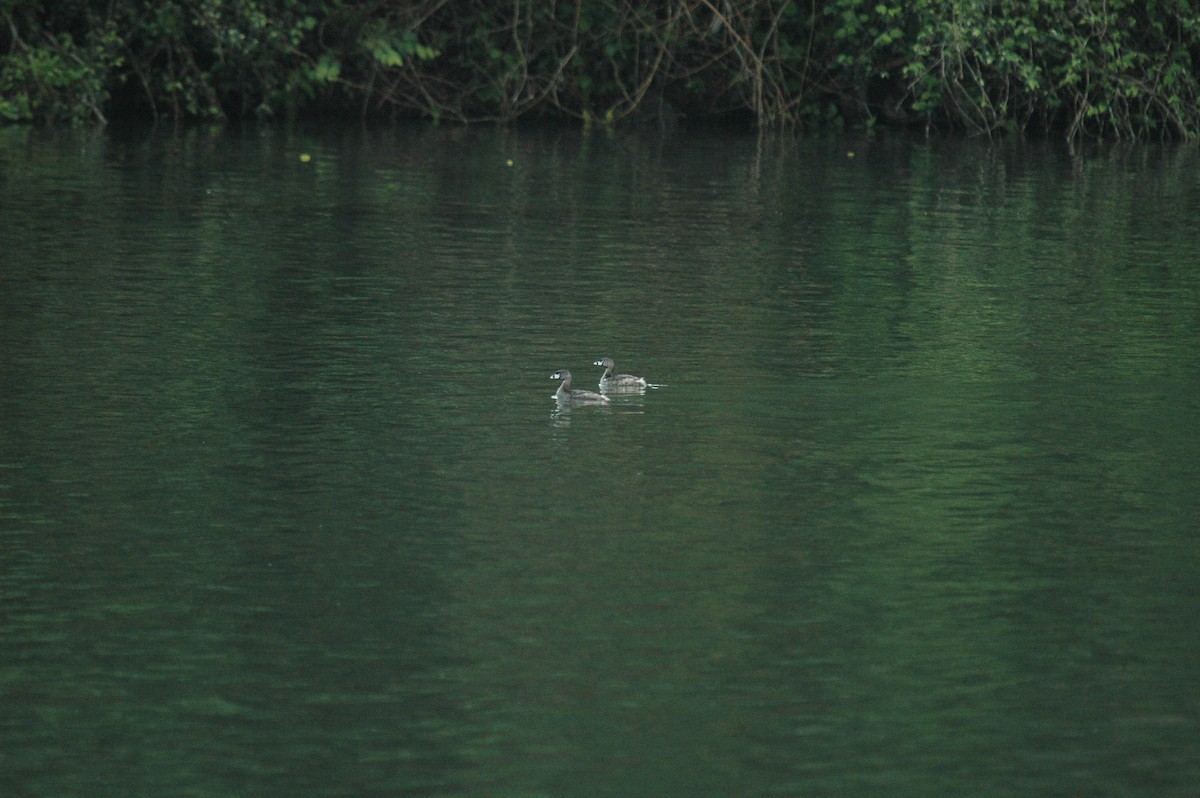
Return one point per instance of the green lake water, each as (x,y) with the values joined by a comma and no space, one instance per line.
(911,508)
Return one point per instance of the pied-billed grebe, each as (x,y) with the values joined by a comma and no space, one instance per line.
(565,395)
(611,382)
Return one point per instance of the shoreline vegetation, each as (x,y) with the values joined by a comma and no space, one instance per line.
(1081,69)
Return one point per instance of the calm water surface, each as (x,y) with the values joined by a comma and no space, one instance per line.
(286,508)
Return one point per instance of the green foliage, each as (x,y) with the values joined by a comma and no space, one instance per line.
(1089,68)
(1094,68)
(57,79)
(213,59)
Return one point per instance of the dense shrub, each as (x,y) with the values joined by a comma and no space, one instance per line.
(1085,67)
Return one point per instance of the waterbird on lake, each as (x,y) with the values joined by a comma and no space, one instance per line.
(565,395)
(618,382)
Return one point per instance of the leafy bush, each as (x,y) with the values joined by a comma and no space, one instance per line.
(1095,68)
(56,79)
